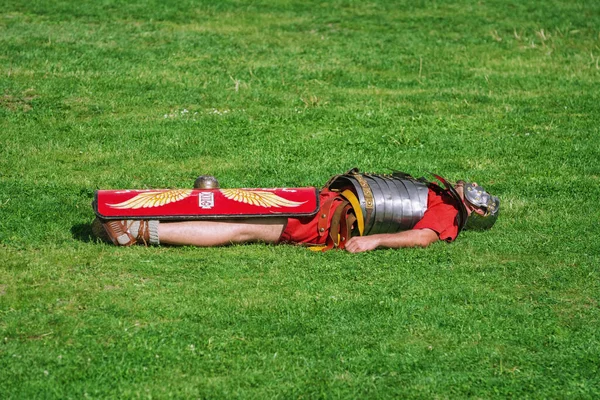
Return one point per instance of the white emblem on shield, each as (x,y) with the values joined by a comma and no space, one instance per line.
(206,200)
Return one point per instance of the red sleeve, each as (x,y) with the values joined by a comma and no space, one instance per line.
(440,216)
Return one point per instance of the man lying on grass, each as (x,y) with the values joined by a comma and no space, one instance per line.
(354,211)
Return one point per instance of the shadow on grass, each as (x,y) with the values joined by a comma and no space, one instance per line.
(83,232)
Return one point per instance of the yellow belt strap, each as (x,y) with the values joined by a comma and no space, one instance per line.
(351,197)
(317,248)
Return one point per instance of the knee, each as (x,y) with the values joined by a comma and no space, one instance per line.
(260,231)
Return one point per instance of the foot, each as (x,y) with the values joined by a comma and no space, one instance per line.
(122,232)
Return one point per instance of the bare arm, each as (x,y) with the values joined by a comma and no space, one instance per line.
(412,238)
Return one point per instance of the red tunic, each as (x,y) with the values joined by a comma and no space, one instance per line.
(440,217)
(305,230)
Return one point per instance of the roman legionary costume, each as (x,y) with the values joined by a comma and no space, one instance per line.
(387,203)
(350,204)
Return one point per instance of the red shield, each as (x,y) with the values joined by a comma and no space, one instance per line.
(176,204)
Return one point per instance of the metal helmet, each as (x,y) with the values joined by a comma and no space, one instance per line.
(478,197)
(206,182)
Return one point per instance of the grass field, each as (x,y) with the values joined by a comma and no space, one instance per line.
(131,94)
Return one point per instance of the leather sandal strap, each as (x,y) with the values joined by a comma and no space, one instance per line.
(118,233)
(143,232)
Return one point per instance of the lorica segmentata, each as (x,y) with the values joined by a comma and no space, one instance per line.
(389,203)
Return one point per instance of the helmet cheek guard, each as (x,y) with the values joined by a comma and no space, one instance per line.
(478,197)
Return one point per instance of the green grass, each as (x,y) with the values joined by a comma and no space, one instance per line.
(123,94)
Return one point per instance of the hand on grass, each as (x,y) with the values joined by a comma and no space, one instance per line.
(359,244)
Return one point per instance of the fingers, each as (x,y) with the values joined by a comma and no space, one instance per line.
(351,246)
(359,244)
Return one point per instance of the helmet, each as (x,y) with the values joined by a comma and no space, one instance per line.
(206,182)
(478,197)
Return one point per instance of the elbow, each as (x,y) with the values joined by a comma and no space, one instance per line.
(424,243)
(427,238)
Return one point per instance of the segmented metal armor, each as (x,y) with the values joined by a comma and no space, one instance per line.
(390,203)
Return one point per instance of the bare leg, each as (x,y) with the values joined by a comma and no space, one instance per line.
(218,233)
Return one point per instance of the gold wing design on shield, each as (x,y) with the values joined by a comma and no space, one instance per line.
(259,198)
(153,199)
